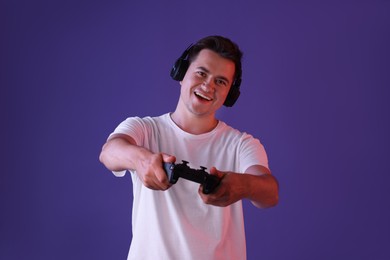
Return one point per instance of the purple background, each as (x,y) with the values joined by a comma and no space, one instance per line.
(315,91)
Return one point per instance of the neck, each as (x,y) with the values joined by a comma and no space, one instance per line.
(194,124)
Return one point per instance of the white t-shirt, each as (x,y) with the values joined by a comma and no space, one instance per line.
(176,224)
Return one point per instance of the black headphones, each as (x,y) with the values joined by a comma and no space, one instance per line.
(181,65)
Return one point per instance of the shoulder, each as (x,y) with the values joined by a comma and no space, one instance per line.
(144,121)
(137,124)
(139,128)
(241,139)
(228,130)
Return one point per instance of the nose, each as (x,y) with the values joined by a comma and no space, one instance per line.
(207,85)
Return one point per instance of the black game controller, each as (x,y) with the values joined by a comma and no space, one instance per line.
(174,171)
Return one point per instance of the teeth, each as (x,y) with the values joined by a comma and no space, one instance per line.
(203,96)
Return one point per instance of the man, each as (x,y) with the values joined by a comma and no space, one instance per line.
(179,221)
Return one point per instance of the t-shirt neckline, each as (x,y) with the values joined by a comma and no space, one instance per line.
(200,136)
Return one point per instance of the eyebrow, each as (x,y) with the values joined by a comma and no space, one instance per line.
(219,77)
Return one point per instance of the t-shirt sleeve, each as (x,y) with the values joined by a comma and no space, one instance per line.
(252,152)
(133,127)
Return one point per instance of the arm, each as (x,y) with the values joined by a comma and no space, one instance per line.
(256,184)
(120,153)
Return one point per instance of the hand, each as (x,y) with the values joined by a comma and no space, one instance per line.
(150,171)
(230,190)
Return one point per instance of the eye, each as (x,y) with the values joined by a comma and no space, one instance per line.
(201,73)
(221,82)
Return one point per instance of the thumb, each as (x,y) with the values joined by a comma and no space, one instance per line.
(168,158)
(214,171)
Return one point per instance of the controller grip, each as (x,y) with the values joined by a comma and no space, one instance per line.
(210,184)
(168,167)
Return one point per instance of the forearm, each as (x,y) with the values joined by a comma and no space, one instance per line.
(121,153)
(262,190)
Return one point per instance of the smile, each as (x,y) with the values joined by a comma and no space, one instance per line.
(203,96)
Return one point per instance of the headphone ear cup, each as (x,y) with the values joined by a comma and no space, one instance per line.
(181,65)
(179,69)
(232,97)
(234,92)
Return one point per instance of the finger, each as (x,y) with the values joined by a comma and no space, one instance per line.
(156,179)
(162,179)
(157,185)
(151,184)
(214,171)
(168,158)
(210,199)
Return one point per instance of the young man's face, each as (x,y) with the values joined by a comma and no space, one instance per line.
(207,82)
